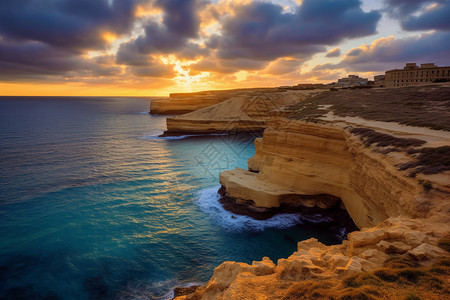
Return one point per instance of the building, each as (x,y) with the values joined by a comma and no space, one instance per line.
(351,80)
(379,81)
(411,74)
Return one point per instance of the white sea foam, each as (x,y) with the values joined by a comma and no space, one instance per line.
(208,202)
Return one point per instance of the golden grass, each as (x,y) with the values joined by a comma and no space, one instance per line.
(398,279)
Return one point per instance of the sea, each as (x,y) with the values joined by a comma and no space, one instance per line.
(95,205)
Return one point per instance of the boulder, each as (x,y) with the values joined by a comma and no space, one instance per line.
(426,251)
(394,247)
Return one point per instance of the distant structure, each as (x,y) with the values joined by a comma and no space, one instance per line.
(310,86)
(379,81)
(411,74)
(351,80)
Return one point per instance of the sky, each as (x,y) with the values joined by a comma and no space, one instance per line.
(157,47)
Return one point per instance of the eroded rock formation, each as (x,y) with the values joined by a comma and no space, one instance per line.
(402,239)
(182,103)
(298,158)
(394,180)
(243,112)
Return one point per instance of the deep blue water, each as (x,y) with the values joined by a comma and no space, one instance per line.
(94,206)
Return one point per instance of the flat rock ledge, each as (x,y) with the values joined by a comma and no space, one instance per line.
(336,219)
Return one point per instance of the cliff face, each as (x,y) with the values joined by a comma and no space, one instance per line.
(402,240)
(178,105)
(297,159)
(182,103)
(401,221)
(394,180)
(247,111)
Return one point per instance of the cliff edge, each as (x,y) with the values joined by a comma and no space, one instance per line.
(385,154)
(247,111)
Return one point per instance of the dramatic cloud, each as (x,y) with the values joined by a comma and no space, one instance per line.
(69,24)
(180,23)
(264,31)
(433,15)
(436,17)
(194,43)
(35,58)
(400,8)
(387,53)
(334,53)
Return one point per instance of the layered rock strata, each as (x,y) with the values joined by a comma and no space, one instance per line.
(182,103)
(296,159)
(245,112)
(394,181)
(400,239)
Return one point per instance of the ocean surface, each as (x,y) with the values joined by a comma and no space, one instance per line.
(93,205)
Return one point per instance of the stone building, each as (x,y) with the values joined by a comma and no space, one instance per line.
(411,74)
(352,80)
(379,81)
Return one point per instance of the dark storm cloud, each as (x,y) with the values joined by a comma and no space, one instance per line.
(128,54)
(264,31)
(142,65)
(386,53)
(434,18)
(437,18)
(36,60)
(69,24)
(180,23)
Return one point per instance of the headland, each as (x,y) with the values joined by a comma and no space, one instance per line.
(382,154)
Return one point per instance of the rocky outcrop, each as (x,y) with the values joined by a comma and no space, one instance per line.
(296,159)
(400,239)
(394,181)
(182,103)
(245,112)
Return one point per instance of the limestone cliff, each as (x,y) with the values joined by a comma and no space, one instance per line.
(297,158)
(244,112)
(182,103)
(404,241)
(394,180)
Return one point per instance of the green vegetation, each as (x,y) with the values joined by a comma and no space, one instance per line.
(429,161)
(371,137)
(424,106)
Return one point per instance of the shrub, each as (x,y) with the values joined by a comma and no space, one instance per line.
(386,275)
(445,244)
(412,275)
(412,296)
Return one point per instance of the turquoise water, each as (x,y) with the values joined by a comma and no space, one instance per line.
(93,205)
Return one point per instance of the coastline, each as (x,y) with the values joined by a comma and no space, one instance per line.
(424,194)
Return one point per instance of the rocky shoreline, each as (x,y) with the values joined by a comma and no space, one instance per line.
(322,154)
(335,219)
